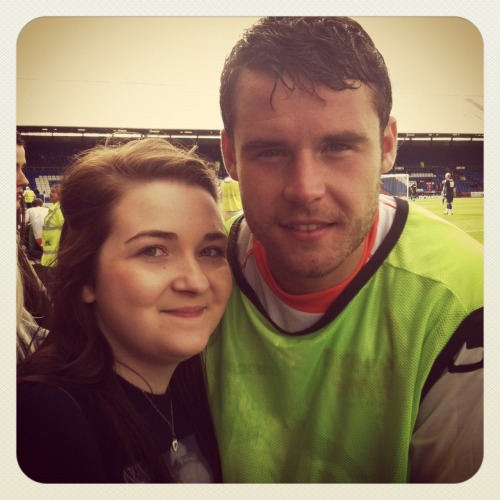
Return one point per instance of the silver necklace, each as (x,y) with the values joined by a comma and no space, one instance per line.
(175,443)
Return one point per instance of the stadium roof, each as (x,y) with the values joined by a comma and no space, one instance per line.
(195,135)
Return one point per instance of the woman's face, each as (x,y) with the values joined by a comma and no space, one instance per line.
(54,195)
(21,180)
(162,279)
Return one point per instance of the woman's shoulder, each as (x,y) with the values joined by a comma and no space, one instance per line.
(46,396)
(48,408)
(55,440)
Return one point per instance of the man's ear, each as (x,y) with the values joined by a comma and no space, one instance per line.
(227,148)
(389,146)
(88,294)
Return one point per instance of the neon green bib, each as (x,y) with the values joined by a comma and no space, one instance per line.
(339,404)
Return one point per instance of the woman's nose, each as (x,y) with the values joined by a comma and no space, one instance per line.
(190,277)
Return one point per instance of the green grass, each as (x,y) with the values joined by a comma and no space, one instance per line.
(468,214)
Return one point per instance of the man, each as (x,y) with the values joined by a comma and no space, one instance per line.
(51,234)
(29,196)
(348,353)
(413,192)
(230,198)
(448,193)
(35,217)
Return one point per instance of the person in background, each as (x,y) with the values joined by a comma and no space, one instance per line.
(21,183)
(31,298)
(51,233)
(29,195)
(348,352)
(35,217)
(448,193)
(116,392)
(413,191)
(39,195)
(230,198)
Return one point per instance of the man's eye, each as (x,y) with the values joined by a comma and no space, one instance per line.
(337,147)
(270,153)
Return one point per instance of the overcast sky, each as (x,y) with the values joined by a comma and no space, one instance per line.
(163,72)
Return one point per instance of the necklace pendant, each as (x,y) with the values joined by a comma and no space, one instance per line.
(174,444)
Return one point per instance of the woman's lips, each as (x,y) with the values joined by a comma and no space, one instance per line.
(186,312)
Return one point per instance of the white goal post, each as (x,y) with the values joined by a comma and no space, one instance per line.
(395,185)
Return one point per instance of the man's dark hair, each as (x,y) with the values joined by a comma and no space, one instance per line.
(332,51)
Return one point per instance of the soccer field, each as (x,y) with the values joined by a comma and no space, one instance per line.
(468,214)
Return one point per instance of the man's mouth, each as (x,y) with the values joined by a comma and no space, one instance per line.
(306,227)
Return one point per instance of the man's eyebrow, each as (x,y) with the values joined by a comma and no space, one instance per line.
(342,136)
(262,144)
(345,136)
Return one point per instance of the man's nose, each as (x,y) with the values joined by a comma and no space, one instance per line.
(305,181)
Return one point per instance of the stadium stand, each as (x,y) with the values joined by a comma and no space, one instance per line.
(425,157)
(427,161)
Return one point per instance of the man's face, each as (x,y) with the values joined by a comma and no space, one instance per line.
(309,172)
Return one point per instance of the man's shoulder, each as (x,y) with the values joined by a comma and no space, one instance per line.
(440,252)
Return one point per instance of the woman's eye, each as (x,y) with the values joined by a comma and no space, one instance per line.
(213,252)
(153,252)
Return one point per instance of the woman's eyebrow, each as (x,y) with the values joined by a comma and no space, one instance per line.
(154,233)
(216,235)
(168,235)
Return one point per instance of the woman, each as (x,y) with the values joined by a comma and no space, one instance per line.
(141,282)
(31,298)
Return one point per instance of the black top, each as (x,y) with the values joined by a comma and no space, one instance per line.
(448,187)
(61,438)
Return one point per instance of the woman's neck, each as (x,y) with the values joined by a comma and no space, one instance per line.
(155,381)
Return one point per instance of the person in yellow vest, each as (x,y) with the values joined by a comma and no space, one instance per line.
(51,233)
(230,198)
(29,196)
